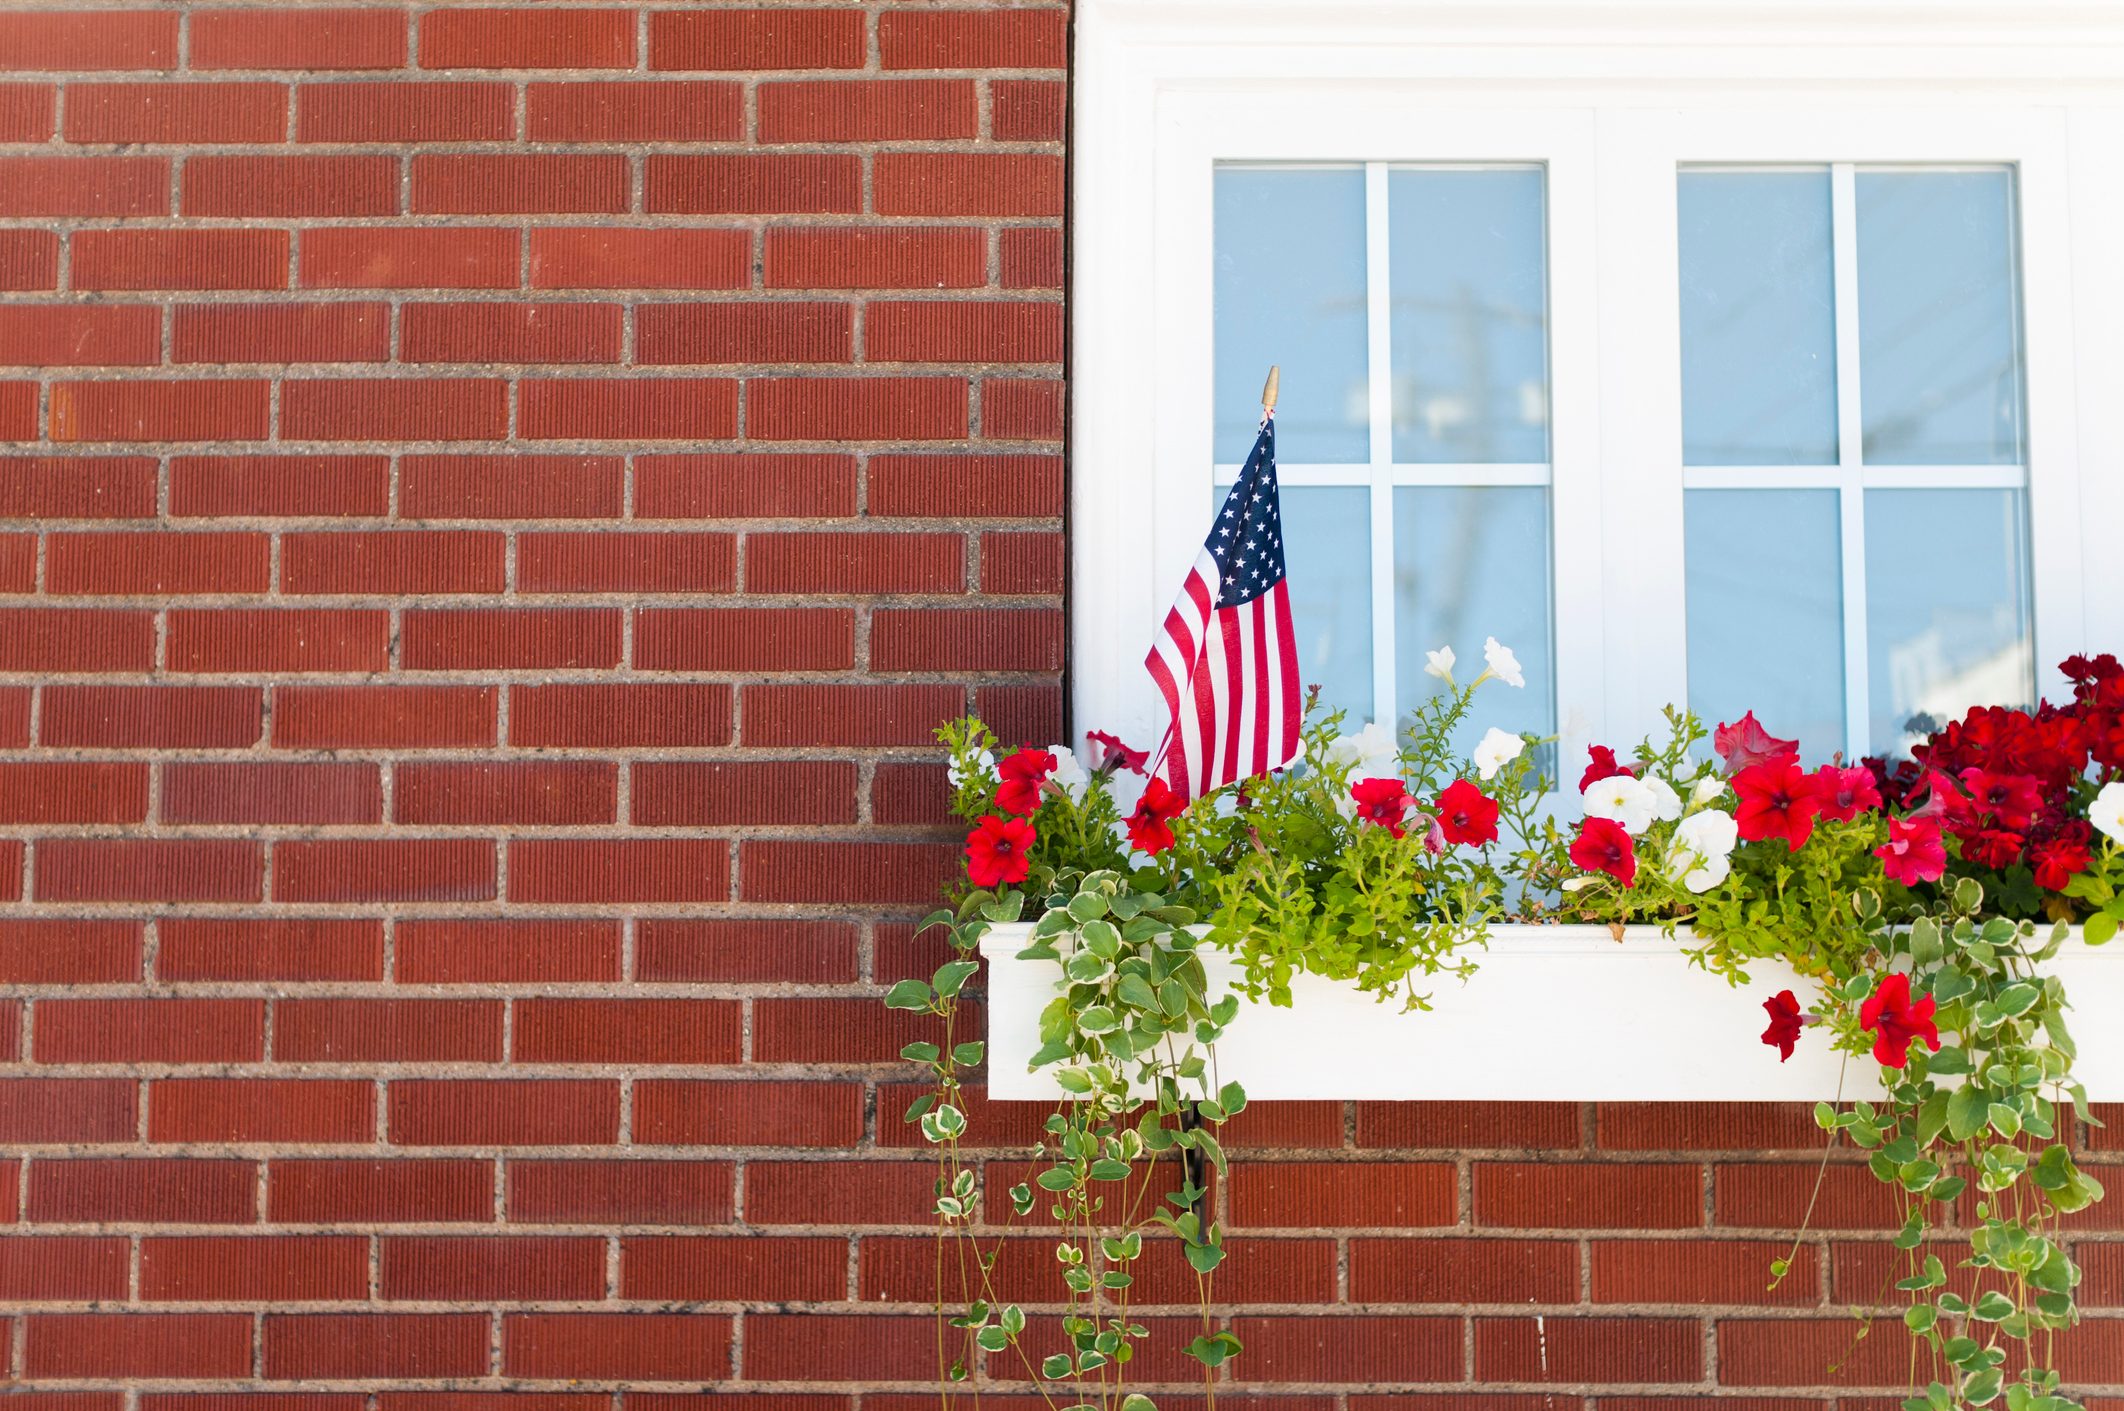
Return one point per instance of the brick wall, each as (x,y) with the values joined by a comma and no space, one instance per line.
(496,500)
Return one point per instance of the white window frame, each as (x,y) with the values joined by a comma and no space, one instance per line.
(1612,99)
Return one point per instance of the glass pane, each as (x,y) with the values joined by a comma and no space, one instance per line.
(1471,563)
(1766,602)
(1939,337)
(1290,291)
(1758,318)
(1327,552)
(1470,314)
(1941,642)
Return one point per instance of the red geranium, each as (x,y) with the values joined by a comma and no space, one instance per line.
(1992,847)
(999,851)
(2060,857)
(1777,800)
(1913,852)
(1603,846)
(1467,815)
(1845,793)
(1023,775)
(1115,755)
(1603,766)
(1746,743)
(1896,1020)
(2010,799)
(1785,1023)
(1383,802)
(1148,826)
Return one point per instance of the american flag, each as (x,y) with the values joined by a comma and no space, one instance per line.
(1226,661)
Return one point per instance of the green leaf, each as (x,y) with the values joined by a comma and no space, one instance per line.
(1055,1368)
(1967,1112)
(968,1054)
(1983,1388)
(920,1053)
(1926,949)
(1948,1060)
(908,994)
(2101,928)
(1920,1317)
(992,1339)
(1992,1307)
(1056,1178)
(1098,1019)
(1109,1170)
(2016,1000)
(951,977)
(1136,992)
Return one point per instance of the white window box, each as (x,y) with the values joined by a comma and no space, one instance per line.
(1554,1013)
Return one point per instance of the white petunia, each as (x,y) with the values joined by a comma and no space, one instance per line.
(1703,848)
(1666,803)
(1069,773)
(1439,663)
(1707,788)
(958,776)
(1496,750)
(2107,811)
(1503,665)
(1369,753)
(1623,799)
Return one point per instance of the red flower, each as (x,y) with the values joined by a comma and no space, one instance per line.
(1148,826)
(2010,799)
(1384,802)
(999,851)
(1603,846)
(1992,847)
(1115,755)
(1896,1021)
(1785,1023)
(1467,815)
(1603,766)
(1845,793)
(2062,855)
(1745,743)
(1777,800)
(1023,775)
(1913,852)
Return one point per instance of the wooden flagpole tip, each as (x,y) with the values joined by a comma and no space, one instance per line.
(1268,390)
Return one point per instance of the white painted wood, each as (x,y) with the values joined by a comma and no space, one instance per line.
(1554,1013)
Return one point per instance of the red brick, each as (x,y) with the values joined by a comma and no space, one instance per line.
(1526,1195)
(868,111)
(849,715)
(77,487)
(780,332)
(862,1192)
(394,110)
(1463,1271)
(384,869)
(957,331)
(783,1346)
(510,333)
(519,39)
(1023,563)
(832,1030)
(433,257)
(395,1190)
(744,639)
(884,257)
(1312,1194)
(384,717)
(461,1269)
(744,486)
(38,1111)
(149,869)
(29,259)
(271,793)
(261,1110)
(1350,1349)
(69,952)
(486,952)
(260,949)
(191,113)
(65,791)
(387,1031)
(550,792)
(85,186)
(603,257)
(394,409)
(973,487)
(399,562)
(632,1031)
(1030,110)
(280,333)
(157,563)
(745,951)
(18,411)
(1588,1350)
(149,1031)
(769,183)
(974,39)
(152,717)
(517,183)
(519,639)
(851,872)
(511,487)
(28,111)
(811,1113)
(651,1347)
(744,40)
(608,561)
(855,563)
(627,409)
(966,639)
(856,409)
(63,1269)
(171,1346)
(619,715)
(1708,1126)
(722,793)
(350,1346)
(1811,1352)
(1781,1195)
(89,39)
(614,111)
(966,184)
(632,1192)
(278,639)
(221,410)
(754,1269)
(1022,410)
(1032,258)
(81,335)
(130,1190)
(557,1112)
(618,870)
(290,186)
(254,1269)
(279,487)
(912,793)
(296,39)
(1715,1272)
(15,716)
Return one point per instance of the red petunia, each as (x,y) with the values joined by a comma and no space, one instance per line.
(1467,815)
(1913,852)
(1115,755)
(1603,846)
(1024,773)
(999,851)
(2010,799)
(1383,802)
(1992,847)
(1896,1021)
(1785,1023)
(1149,827)
(1845,793)
(1746,743)
(1602,766)
(1777,799)
(2063,855)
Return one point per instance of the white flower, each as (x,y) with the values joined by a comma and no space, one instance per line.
(1069,774)
(1627,801)
(1577,884)
(2107,811)
(1703,846)
(1496,750)
(1666,804)
(1439,663)
(1707,788)
(1369,753)
(1503,665)
(958,776)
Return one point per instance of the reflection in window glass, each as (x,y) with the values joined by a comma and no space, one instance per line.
(1939,340)
(1941,642)
(1758,318)
(1327,554)
(1766,612)
(1470,301)
(1290,291)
